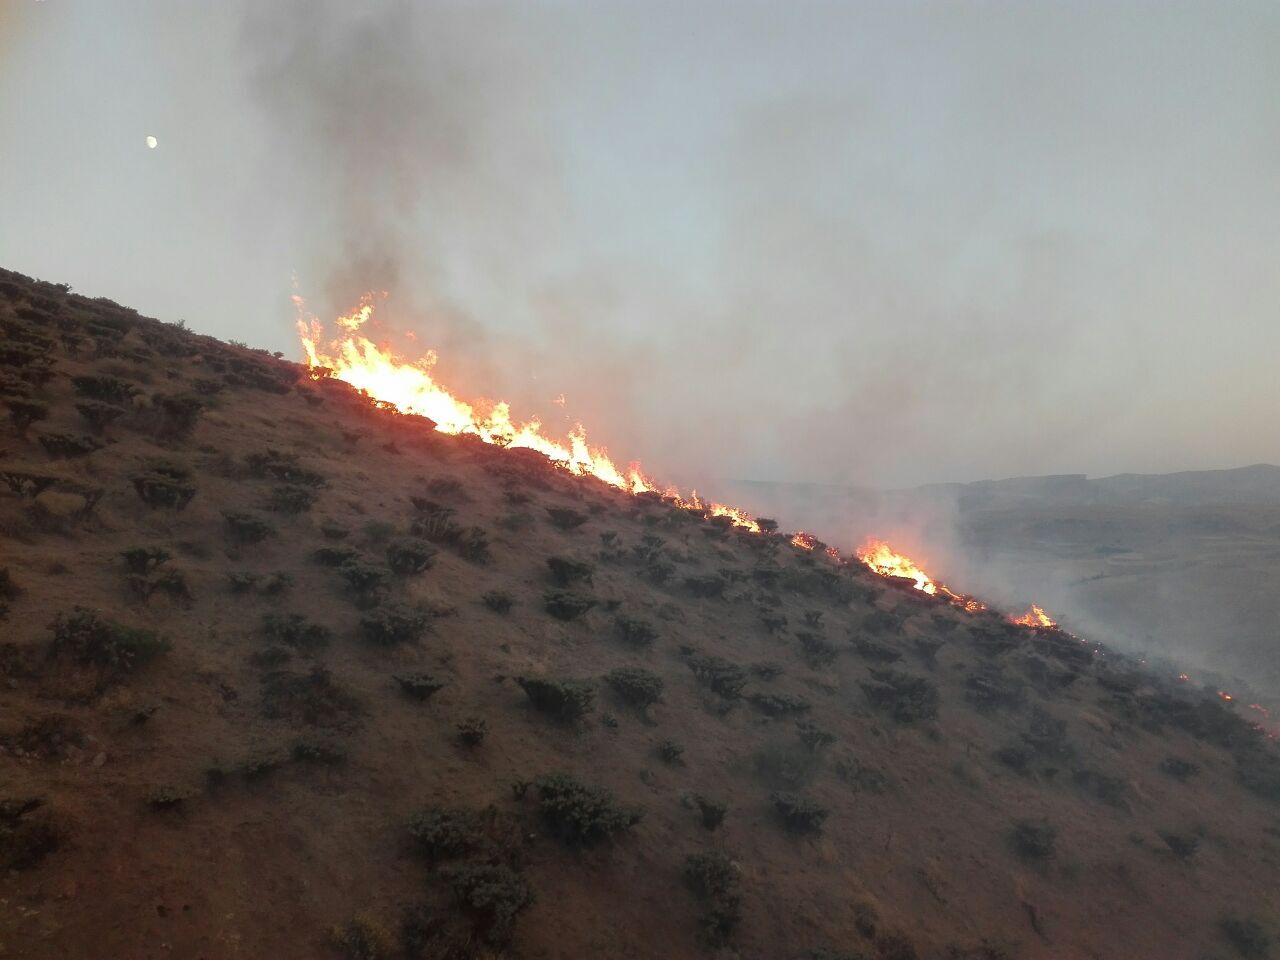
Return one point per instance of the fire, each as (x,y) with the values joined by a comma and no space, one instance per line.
(410,387)
(806,541)
(1035,617)
(880,557)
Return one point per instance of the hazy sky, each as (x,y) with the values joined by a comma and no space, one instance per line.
(874,243)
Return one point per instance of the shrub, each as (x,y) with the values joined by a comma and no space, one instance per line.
(157,489)
(63,446)
(813,736)
(633,631)
(172,582)
(562,699)
(714,881)
(144,559)
(279,582)
(713,813)
(565,518)
(817,651)
(904,697)
(99,415)
(766,671)
(313,698)
(799,814)
(1033,839)
(438,833)
(283,467)
(878,652)
(271,657)
(1110,790)
(635,685)
(473,545)
(392,625)
(472,730)
(1246,937)
(104,388)
(246,528)
(991,690)
(294,630)
(1183,846)
(492,895)
(580,815)
(318,752)
(27,484)
(707,586)
(499,601)
(334,556)
(720,675)
(27,835)
(407,556)
(88,638)
(363,938)
(174,416)
(364,579)
(565,605)
(379,531)
(671,752)
(778,704)
(418,686)
(291,499)
(23,412)
(1178,768)
(242,581)
(167,797)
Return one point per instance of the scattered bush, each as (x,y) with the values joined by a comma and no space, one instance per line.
(88,638)
(279,582)
(144,559)
(637,686)
(492,895)
(818,652)
(1034,840)
(246,528)
(713,878)
(671,752)
(167,797)
(313,698)
(778,704)
(1246,937)
(242,581)
(363,938)
(566,571)
(174,416)
(334,556)
(418,686)
(1178,768)
(164,485)
(565,605)
(565,518)
(291,499)
(799,814)
(720,675)
(99,415)
(1110,790)
(563,699)
(1183,846)
(391,625)
(813,736)
(439,834)
(499,601)
(472,730)
(707,587)
(63,446)
(27,834)
(172,582)
(282,467)
(105,388)
(407,556)
(713,813)
(906,698)
(636,632)
(294,630)
(23,412)
(992,690)
(869,649)
(580,815)
(47,738)
(364,579)
(29,485)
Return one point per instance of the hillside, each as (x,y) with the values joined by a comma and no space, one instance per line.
(289,674)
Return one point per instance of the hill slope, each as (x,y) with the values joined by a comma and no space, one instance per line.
(249,736)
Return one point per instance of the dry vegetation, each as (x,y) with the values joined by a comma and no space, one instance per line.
(289,674)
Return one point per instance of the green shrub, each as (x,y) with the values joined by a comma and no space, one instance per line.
(439,834)
(712,813)
(242,581)
(671,752)
(64,446)
(565,571)
(314,698)
(1110,790)
(172,582)
(565,518)
(282,467)
(246,528)
(580,815)
(167,797)
(798,813)
(391,625)
(1246,937)
(991,690)
(720,675)
(472,730)
(1178,768)
(158,488)
(499,601)
(563,699)
(364,579)
(88,638)
(363,938)
(635,685)
(1183,846)
(906,698)
(277,583)
(407,556)
(713,878)
(418,686)
(869,649)
(291,499)
(565,605)
(813,736)
(144,559)
(636,632)
(778,704)
(707,586)
(817,652)
(29,485)
(99,415)
(104,388)
(1034,840)
(294,630)
(492,895)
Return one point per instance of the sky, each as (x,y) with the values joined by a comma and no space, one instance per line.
(877,244)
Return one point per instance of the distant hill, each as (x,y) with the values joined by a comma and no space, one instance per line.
(289,674)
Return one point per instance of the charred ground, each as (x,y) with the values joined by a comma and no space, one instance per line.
(291,674)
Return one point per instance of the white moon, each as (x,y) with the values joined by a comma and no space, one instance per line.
(151,143)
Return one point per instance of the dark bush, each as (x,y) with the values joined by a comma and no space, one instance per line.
(144,559)
(635,685)
(27,833)
(877,652)
(712,813)
(766,670)
(1259,772)
(364,579)
(473,545)
(671,752)
(1015,756)
(362,938)
(99,415)
(566,605)
(778,704)
(1246,937)
(174,416)
(23,412)
(566,571)
(492,895)
(246,528)
(294,630)
(904,697)
(713,878)
(418,686)
(799,814)
(1033,840)
(271,657)
(88,638)
(707,587)
(283,467)
(318,753)
(1110,790)
(64,446)
(636,632)
(313,698)
(1178,768)
(26,484)
(813,736)
(1183,846)
(172,582)
(580,815)
(817,652)
(291,499)
(499,601)
(566,518)
(1047,735)
(278,583)
(334,556)
(407,556)
(991,690)
(562,699)
(391,625)
(161,489)
(242,581)
(472,730)
(439,834)
(104,388)
(720,675)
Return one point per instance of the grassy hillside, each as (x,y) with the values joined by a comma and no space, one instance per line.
(287,674)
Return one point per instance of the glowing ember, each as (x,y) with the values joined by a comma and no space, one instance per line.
(879,556)
(1035,617)
(410,387)
(1225,696)
(806,541)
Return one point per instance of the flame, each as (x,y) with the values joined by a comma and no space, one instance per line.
(1035,617)
(806,541)
(410,387)
(881,558)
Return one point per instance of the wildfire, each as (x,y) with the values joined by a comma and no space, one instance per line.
(805,541)
(880,557)
(410,387)
(1035,617)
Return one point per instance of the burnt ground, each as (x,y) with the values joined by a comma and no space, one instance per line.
(243,738)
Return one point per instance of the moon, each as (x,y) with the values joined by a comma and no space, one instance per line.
(151,143)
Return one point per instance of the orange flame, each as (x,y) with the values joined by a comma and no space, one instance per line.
(806,541)
(1035,617)
(410,387)
(880,557)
